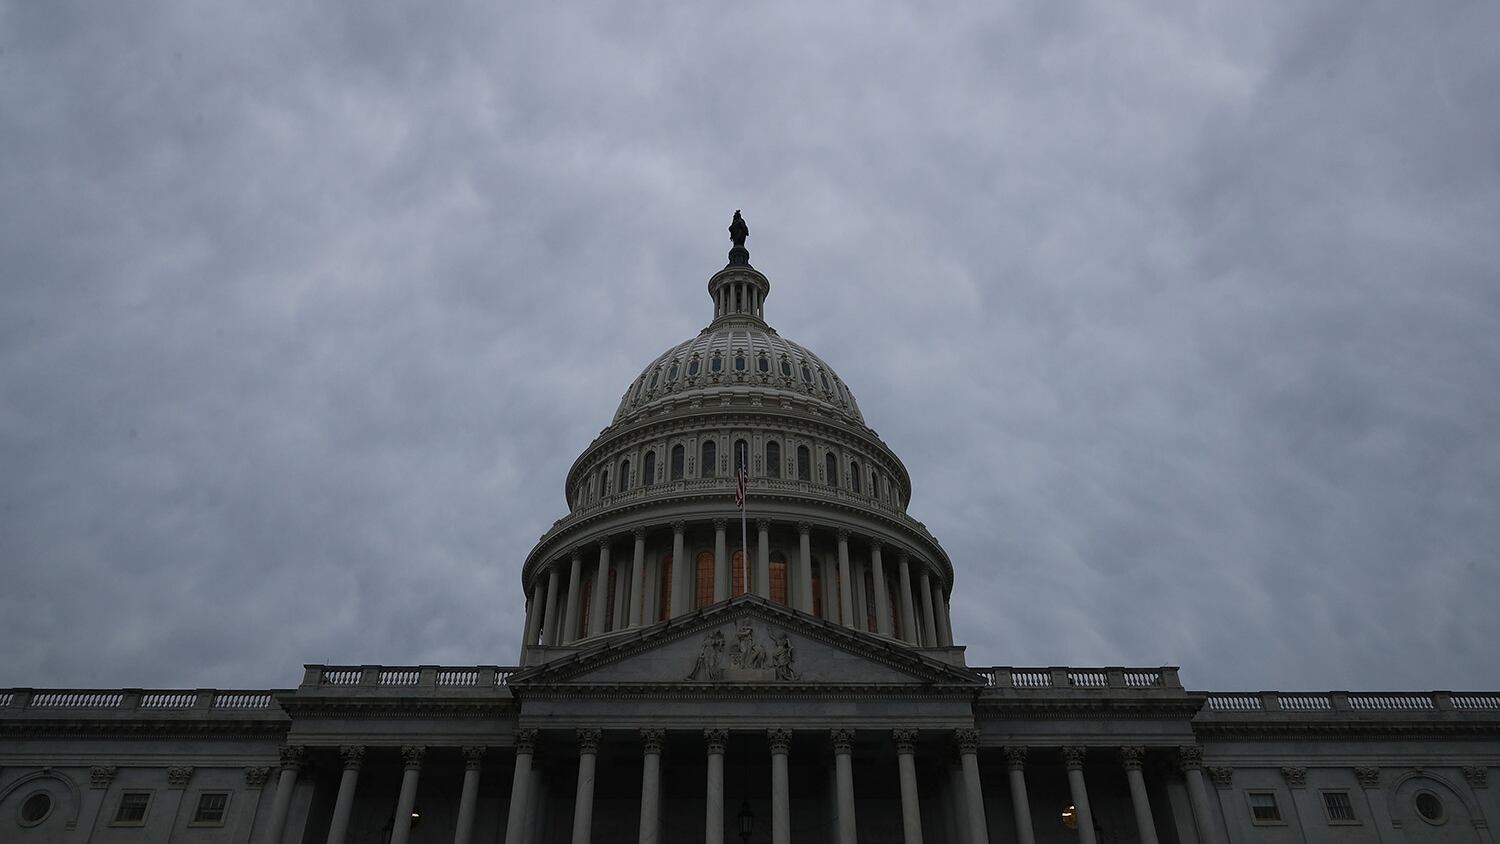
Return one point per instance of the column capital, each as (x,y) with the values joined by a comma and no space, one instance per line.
(1073,757)
(716,741)
(780,740)
(639,533)
(1190,757)
(906,741)
(876,543)
(293,757)
(967,738)
(679,527)
(762,525)
(653,739)
(804,528)
(720,524)
(1131,757)
(1369,776)
(353,756)
(1296,777)
(576,554)
(1222,775)
(473,756)
(255,778)
(588,740)
(903,556)
(525,741)
(842,534)
(1015,757)
(842,739)
(100,776)
(1478,776)
(178,776)
(603,544)
(411,756)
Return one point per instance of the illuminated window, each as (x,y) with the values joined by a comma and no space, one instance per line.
(677,461)
(778,577)
(710,459)
(737,572)
(773,459)
(705,573)
(817,589)
(1070,817)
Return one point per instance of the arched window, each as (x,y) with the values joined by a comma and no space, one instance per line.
(665,610)
(804,463)
(677,461)
(586,598)
(648,469)
(737,572)
(741,456)
(778,577)
(710,459)
(817,589)
(831,468)
(773,459)
(854,476)
(705,578)
(875,482)
(624,482)
(603,482)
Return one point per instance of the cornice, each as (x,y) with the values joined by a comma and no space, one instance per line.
(155,728)
(1099,708)
(748,691)
(1374,730)
(404,708)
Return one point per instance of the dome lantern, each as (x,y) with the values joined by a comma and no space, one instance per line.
(739,290)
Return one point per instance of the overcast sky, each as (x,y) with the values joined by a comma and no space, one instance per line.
(1185,317)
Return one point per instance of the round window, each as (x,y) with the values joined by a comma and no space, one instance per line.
(1429,806)
(36,808)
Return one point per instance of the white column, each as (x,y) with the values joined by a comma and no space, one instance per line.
(1131,758)
(583,803)
(1073,761)
(534,609)
(638,586)
(681,601)
(722,586)
(928,619)
(968,756)
(570,618)
(944,624)
(1191,761)
(846,581)
(781,806)
(908,608)
(338,829)
(291,762)
(763,558)
(622,590)
(1020,804)
(861,604)
(651,743)
(600,597)
(882,597)
(804,571)
(473,759)
(549,619)
(911,809)
(843,746)
(520,800)
(713,816)
(411,757)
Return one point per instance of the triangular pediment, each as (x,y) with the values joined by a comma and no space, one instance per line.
(746,641)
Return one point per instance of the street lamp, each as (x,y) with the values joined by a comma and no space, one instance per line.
(746,819)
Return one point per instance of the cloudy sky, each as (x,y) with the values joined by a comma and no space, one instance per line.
(1185,317)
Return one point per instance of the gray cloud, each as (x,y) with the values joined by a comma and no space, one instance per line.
(1181,319)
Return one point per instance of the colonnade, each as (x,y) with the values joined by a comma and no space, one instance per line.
(969,792)
(913,609)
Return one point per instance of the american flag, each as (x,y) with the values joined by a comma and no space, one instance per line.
(741,481)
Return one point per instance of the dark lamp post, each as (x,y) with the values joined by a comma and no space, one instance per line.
(746,820)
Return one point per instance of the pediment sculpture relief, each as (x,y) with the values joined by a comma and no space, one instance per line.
(749,660)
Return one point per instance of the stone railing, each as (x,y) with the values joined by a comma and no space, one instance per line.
(134,700)
(1249,703)
(1059,677)
(406,676)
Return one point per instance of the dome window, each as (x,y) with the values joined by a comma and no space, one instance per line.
(773,459)
(806,374)
(786,367)
(648,469)
(672,372)
(763,363)
(603,482)
(710,459)
(739,362)
(854,485)
(654,376)
(693,367)
(827,388)
(831,469)
(677,461)
(804,463)
(717,364)
(624,482)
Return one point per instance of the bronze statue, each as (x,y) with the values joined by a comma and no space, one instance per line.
(738,231)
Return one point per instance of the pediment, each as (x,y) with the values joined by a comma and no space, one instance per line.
(746,641)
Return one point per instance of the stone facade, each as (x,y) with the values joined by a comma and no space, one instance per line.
(689,675)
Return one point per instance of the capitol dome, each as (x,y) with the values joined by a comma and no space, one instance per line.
(654,528)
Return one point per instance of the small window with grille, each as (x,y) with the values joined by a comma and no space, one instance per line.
(211,808)
(132,808)
(1263,808)
(1338,807)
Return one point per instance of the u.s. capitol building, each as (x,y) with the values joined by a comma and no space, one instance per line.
(673,688)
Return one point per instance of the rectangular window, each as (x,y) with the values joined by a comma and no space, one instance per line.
(132,809)
(1338,807)
(211,806)
(1263,808)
